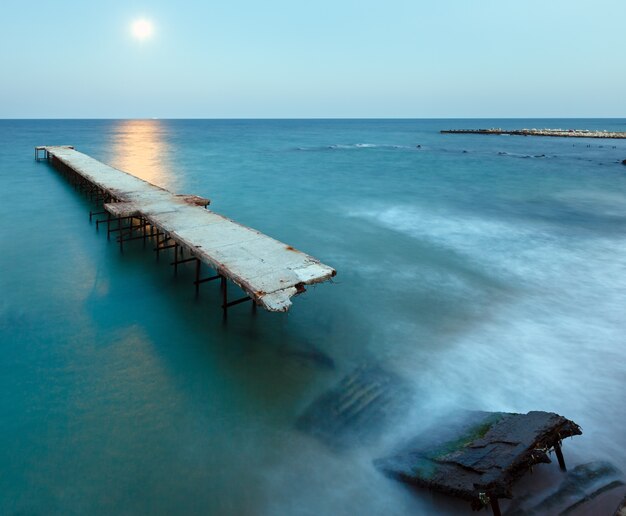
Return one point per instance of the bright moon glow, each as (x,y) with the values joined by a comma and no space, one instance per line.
(142,29)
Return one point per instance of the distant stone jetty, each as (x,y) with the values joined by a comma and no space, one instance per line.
(562,133)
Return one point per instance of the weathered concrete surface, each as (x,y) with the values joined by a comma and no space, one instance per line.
(269,271)
(134,209)
(562,133)
(580,486)
(358,409)
(471,455)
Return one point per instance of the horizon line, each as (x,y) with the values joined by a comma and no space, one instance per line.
(327,118)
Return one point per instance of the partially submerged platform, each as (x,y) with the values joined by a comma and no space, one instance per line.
(561,133)
(269,271)
(477,456)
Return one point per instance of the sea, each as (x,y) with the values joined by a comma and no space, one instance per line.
(488,272)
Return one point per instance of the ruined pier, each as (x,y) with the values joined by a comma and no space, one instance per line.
(268,271)
(478,456)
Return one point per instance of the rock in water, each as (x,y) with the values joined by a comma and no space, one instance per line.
(309,354)
(581,485)
(358,409)
(624,162)
(477,456)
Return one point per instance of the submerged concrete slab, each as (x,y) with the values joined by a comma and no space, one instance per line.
(269,271)
(357,410)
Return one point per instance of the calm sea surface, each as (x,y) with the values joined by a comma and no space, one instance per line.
(488,271)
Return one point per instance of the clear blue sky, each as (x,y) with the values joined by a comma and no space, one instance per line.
(322,58)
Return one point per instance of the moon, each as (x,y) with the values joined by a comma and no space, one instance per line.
(142,29)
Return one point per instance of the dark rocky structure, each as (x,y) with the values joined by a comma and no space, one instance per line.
(581,485)
(559,133)
(477,456)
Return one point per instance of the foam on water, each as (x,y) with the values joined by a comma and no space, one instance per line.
(356,146)
(555,342)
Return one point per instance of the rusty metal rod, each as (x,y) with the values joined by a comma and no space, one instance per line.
(495,506)
(159,248)
(119,228)
(224,287)
(204,280)
(131,238)
(124,229)
(238,301)
(131,228)
(92,213)
(183,261)
(559,456)
(197,284)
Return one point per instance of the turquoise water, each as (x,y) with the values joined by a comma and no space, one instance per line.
(488,271)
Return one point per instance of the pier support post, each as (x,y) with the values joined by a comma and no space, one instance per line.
(559,456)
(108,226)
(119,229)
(198,266)
(224,287)
(158,246)
(92,213)
(495,506)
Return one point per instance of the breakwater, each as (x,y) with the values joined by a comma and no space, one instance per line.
(562,133)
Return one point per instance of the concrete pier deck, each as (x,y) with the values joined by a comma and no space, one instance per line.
(269,271)
(560,133)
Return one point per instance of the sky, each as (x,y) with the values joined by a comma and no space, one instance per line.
(319,59)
